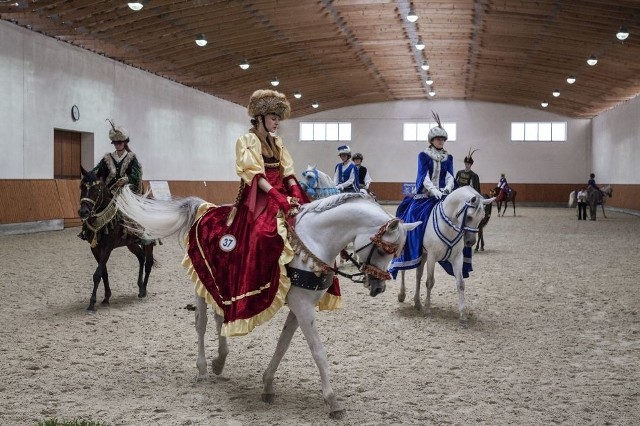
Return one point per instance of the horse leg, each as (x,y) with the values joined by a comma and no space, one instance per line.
(138,253)
(513,201)
(148,265)
(479,239)
(302,304)
(603,214)
(457,271)
(201,328)
(217,364)
(417,303)
(289,329)
(402,294)
(102,257)
(431,280)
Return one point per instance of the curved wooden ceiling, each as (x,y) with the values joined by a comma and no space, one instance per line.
(349,52)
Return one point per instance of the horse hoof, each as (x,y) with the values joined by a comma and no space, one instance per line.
(91,310)
(142,294)
(201,378)
(105,302)
(338,414)
(217,367)
(269,398)
(464,323)
(482,249)
(401,298)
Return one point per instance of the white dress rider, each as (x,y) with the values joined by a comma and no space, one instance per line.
(345,177)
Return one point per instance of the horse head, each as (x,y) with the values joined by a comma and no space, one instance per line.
(376,252)
(94,194)
(466,208)
(310,181)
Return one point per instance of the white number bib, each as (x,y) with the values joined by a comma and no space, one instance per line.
(227,242)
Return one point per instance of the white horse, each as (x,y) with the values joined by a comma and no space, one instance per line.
(607,191)
(322,229)
(317,183)
(453,224)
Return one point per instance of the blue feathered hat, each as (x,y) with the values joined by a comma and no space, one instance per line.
(344,149)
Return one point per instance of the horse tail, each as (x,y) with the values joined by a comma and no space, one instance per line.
(157,219)
(572,198)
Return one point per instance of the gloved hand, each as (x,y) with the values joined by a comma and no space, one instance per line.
(436,193)
(339,188)
(280,199)
(446,191)
(364,191)
(296,192)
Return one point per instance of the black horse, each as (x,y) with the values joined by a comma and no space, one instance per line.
(104,229)
(511,196)
(483,223)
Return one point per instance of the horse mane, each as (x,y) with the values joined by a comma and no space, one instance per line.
(324,204)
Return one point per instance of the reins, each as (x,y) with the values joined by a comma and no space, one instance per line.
(101,218)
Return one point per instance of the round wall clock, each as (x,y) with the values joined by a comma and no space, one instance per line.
(75,113)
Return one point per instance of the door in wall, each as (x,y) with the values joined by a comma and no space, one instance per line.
(66,154)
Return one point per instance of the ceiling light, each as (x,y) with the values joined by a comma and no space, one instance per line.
(429,80)
(136,5)
(544,104)
(556,93)
(432,92)
(622,33)
(420,44)
(244,64)
(201,40)
(297,94)
(315,104)
(592,60)
(571,79)
(424,66)
(275,81)
(412,17)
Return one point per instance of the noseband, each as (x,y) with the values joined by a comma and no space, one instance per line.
(95,204)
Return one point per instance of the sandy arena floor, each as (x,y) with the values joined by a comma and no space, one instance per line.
(554,338)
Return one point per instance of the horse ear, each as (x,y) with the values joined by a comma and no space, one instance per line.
(411,226)
(83,172)
(488,201)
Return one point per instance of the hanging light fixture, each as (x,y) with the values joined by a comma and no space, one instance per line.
(556,93)
(544,104)
(136,5)
(201,40)
(420,44)
(622,34)
(297,94)
(275,81)
(244,64)
(432,92)
(315,104)
(412,16)
(571,79)
(429,80)
(424,66)
(592,60)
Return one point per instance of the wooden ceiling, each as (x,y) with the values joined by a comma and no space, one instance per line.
(350,52)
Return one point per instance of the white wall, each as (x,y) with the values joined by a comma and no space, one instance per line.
(377,133)
(183,134)
(178,133)
(616,147)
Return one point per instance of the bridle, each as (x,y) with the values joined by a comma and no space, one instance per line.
(101,217)
(439,216)
(366,268)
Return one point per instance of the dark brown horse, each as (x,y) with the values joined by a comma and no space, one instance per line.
(483,223)
(103,228)
(510,196)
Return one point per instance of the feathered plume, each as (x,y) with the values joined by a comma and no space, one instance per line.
(437,118)
(113,126)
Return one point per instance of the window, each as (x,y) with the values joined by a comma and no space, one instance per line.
(539,132)
(420,131)
(325,131)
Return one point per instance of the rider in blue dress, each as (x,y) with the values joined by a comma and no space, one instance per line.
(433,182)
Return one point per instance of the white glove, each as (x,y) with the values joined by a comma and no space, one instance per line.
(446,191)
(364,191)
(436,193)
